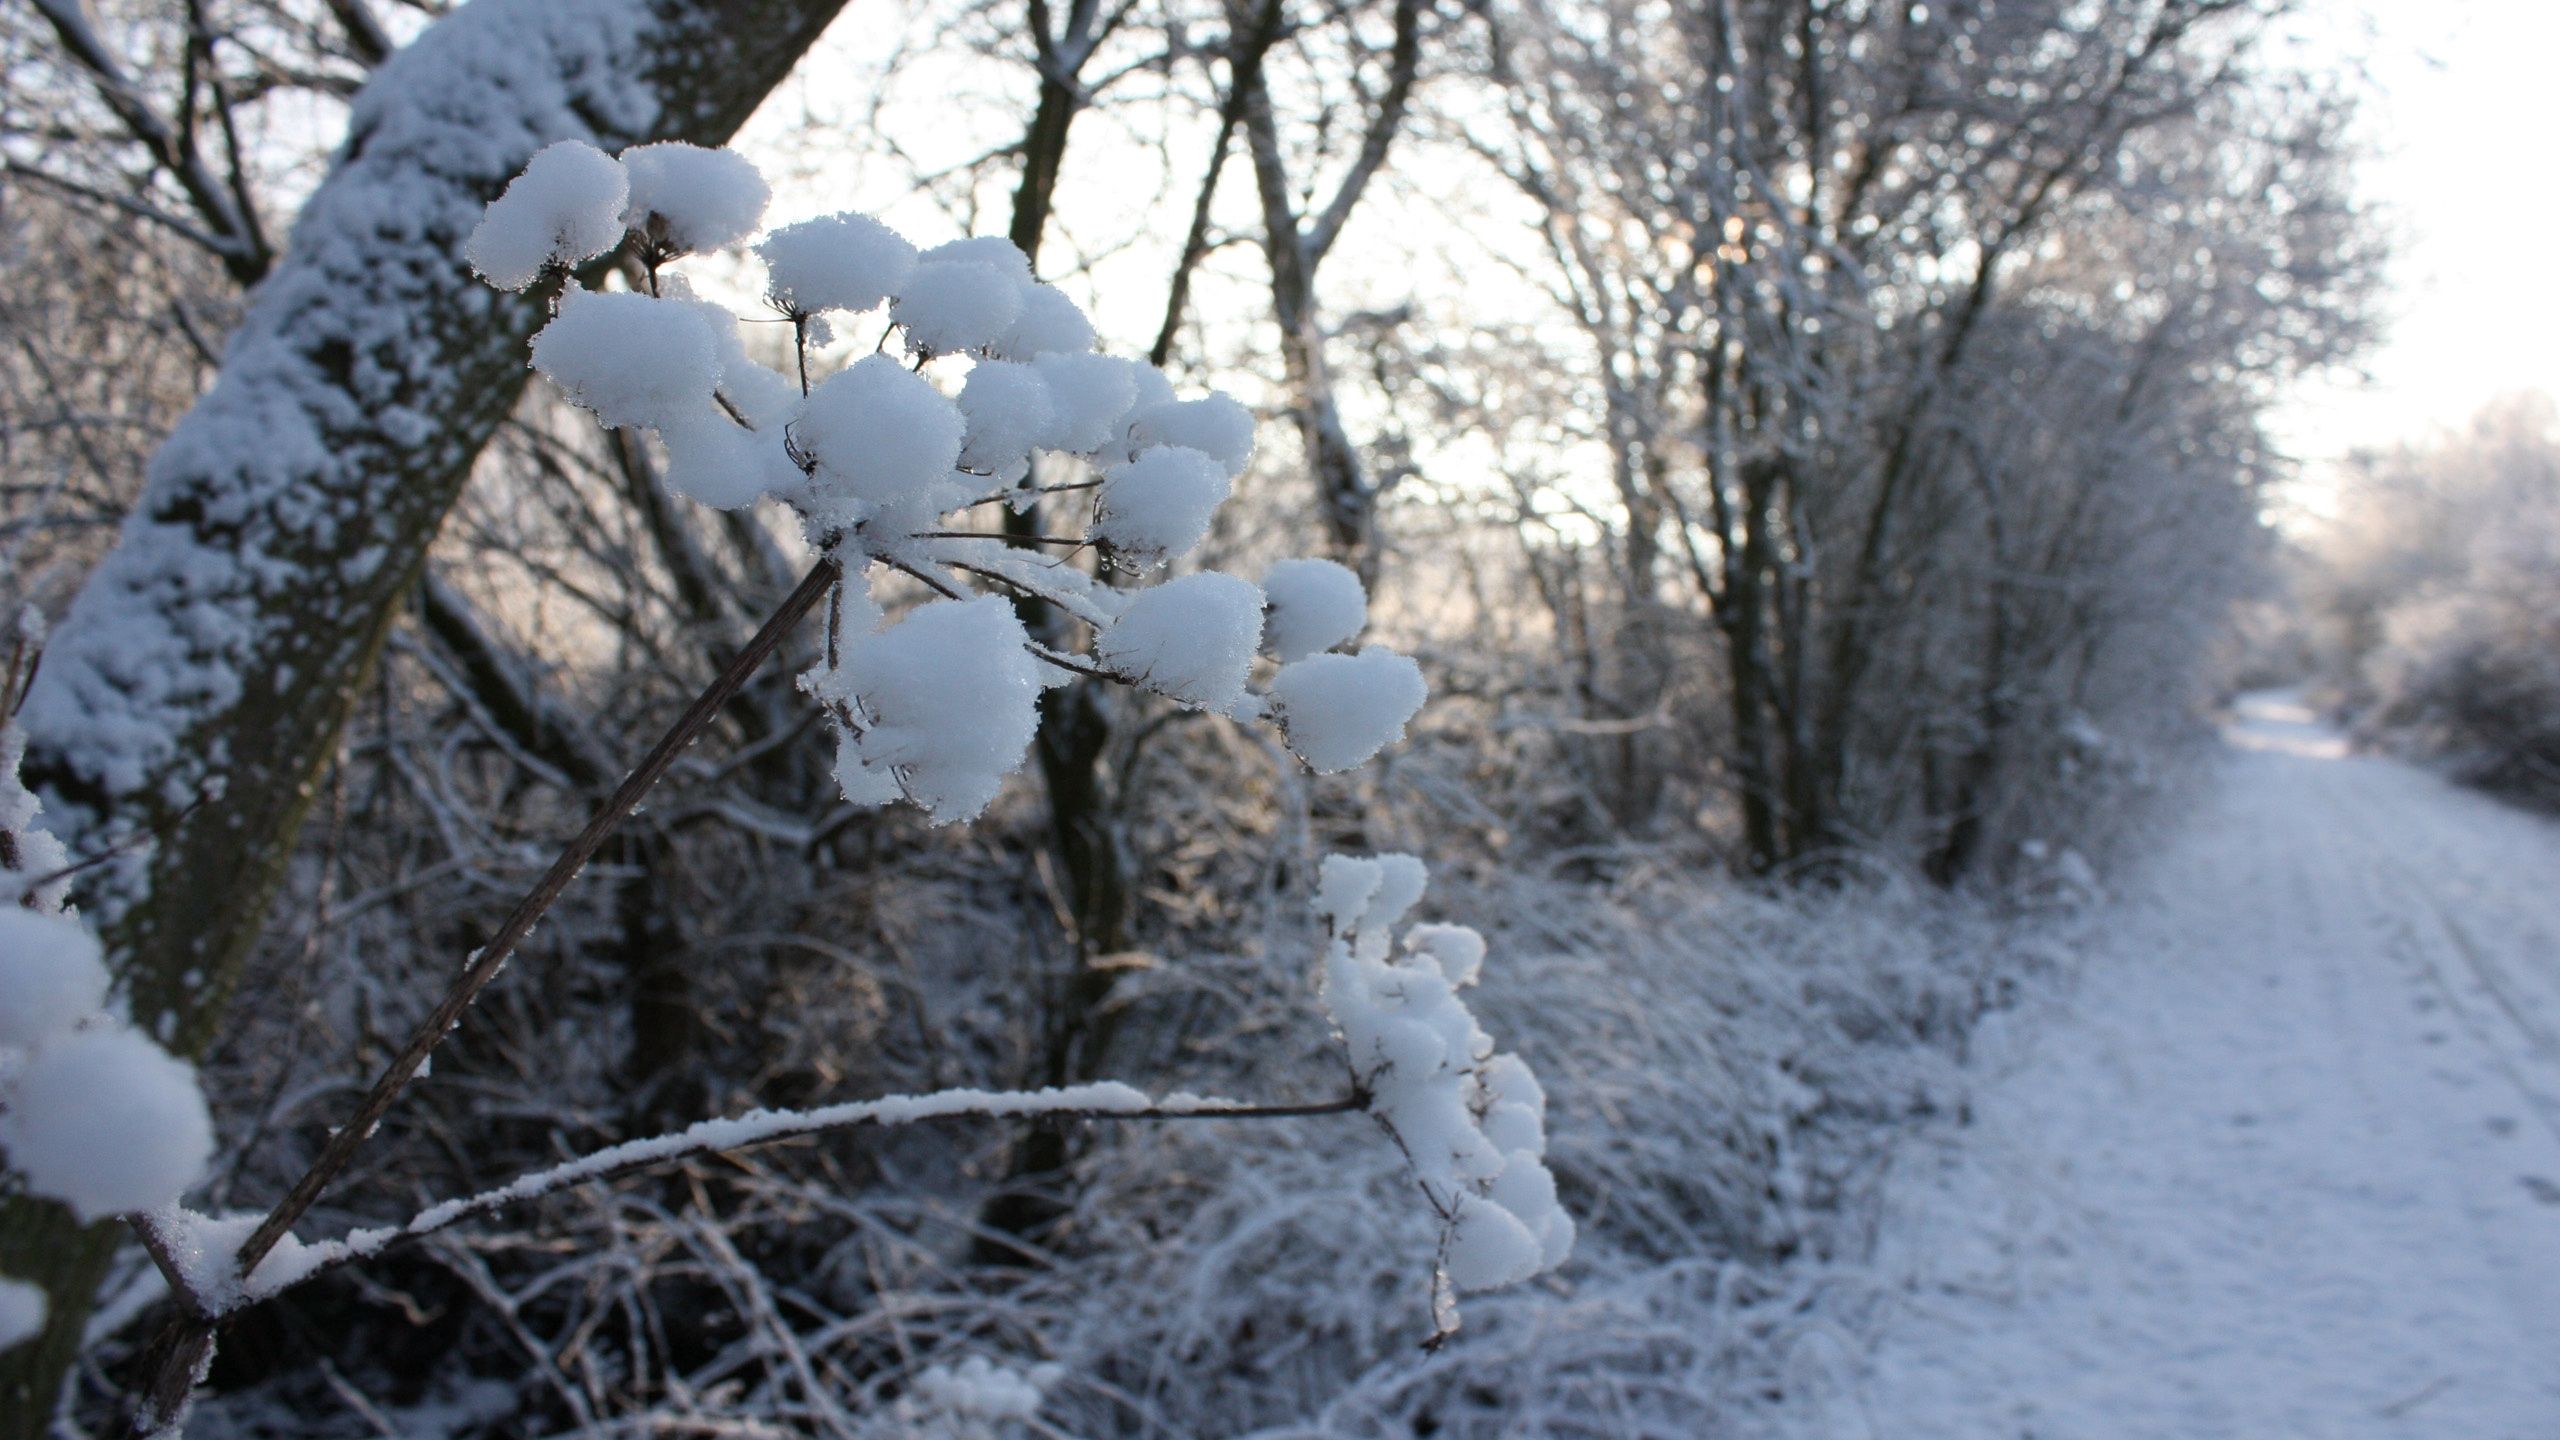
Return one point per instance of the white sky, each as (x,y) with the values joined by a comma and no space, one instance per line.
(2462,132)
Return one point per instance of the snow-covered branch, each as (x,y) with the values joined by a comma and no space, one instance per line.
(204,1252)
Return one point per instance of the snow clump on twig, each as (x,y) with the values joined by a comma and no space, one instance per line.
(1472,1122)
(1002,401)
(92,1113)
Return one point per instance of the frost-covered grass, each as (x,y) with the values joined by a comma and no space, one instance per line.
(1727,1070)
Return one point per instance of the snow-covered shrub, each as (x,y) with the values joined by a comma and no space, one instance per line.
(2435,600)
(1466,1122)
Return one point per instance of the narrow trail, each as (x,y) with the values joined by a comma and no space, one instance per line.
(2287,1161)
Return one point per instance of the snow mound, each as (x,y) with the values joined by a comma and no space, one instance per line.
(881,436)
(1049,324)
(1159,505)
(1214,425)
(631,359)
(942,704)
(957,306)
(1008,412)
(836,262)
(22,1312)
(52,974)
(1088,395)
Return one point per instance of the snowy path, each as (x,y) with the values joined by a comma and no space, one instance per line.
(2289,1163)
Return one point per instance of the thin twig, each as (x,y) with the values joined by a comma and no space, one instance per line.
(133,841)
(1007,497)
(1069,663)
(492,957)
(1077,541)
(944,588)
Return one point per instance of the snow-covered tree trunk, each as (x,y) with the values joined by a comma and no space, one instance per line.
(198,684)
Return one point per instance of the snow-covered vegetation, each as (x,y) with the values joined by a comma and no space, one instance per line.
(2430,600)
(689,800)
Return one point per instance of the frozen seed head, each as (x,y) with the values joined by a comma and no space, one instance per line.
(1339,710)
(1315,606)
(565,209)
(690,198)
(846,262)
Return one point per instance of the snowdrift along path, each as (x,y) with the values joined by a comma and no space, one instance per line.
(2287,1164)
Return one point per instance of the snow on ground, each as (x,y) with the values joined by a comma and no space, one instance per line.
(2287,1161)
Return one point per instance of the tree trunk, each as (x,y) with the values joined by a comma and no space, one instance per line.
(201,678)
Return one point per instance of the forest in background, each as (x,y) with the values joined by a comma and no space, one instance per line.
(1812,447)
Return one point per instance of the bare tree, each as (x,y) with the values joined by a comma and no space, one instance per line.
(1802,243)
(1299,232)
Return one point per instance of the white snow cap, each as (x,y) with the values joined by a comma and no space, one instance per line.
(1513,1104)
(632,359)
(1008,412)
(106,1122)
(1159,505)
(1215,425)
(22,1312)
(1457,949)
(982,1389)
(1315,605)
(977,1399)
(51,975)
(702,199)
(758,392)
(714,461)
(1153,387)
(1338,710)
(835,262)
(1191,639)
(993,251)
(956,305)
(883,436)
(1088,395)
(1489,1247)
(1049,323)
(565,209)
(945,702)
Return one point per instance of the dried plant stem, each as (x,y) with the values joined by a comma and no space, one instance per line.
(492,957)
(187,1347)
